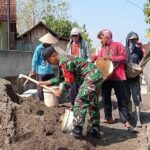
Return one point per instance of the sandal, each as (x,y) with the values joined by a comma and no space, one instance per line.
(132,130)
(108,121)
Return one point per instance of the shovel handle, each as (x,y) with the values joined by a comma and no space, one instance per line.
(27,80)
(34,81)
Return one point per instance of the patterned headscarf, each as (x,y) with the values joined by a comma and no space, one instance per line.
(107,33)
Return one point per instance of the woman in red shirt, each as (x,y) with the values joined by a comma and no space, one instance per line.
(115,52)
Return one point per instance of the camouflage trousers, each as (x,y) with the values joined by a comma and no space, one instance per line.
(88,98)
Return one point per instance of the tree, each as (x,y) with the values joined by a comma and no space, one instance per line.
(147,15)
(54,13)
(61,26)
(85,36)
(29,12)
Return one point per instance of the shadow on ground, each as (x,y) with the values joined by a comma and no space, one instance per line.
(111,136)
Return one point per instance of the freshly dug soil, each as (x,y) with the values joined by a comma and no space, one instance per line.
(27,124)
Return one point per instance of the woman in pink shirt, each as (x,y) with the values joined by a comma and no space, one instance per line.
(115,52)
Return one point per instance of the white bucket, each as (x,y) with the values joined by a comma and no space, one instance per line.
(29,93)
(67,121)
(49,98)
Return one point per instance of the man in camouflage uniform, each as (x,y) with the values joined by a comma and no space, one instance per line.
(88,77)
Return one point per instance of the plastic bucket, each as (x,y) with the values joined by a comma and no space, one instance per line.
(67,121)
(50,99)
(29,93)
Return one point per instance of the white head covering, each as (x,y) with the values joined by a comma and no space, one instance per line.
(75,31)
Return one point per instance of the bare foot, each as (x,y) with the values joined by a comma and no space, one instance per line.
(108,121)
(130,128)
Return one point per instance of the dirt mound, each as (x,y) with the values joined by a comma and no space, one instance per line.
(8,103)
(29,124)
(38,128)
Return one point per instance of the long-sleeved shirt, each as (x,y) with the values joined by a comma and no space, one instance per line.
(118,56)
(133,56)
(75,69)
(38,64)
(83,49)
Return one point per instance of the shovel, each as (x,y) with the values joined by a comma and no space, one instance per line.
(26,81)
(36,82)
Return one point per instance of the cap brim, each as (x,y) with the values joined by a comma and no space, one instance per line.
(75,34)
(133,38)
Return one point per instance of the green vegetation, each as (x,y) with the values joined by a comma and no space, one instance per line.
(147,15)
(54,13)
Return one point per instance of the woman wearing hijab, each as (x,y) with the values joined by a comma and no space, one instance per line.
(78,48)
(115,52)
(134,55)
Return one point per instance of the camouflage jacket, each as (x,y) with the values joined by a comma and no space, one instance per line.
(76,66)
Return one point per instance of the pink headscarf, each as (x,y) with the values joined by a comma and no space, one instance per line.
(107,33)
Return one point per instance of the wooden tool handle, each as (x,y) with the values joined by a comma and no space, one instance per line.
(34,81)
(26,80)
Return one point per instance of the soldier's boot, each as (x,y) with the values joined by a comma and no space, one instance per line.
(77,131)
(95,131)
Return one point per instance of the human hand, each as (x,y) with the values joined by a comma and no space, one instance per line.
(58,92)
(107,57)
(66,80)
(32,73)
(93,57)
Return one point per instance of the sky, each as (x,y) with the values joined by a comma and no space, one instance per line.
(120,16)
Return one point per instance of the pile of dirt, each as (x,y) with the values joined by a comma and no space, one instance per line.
(8,103)
(29,124)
